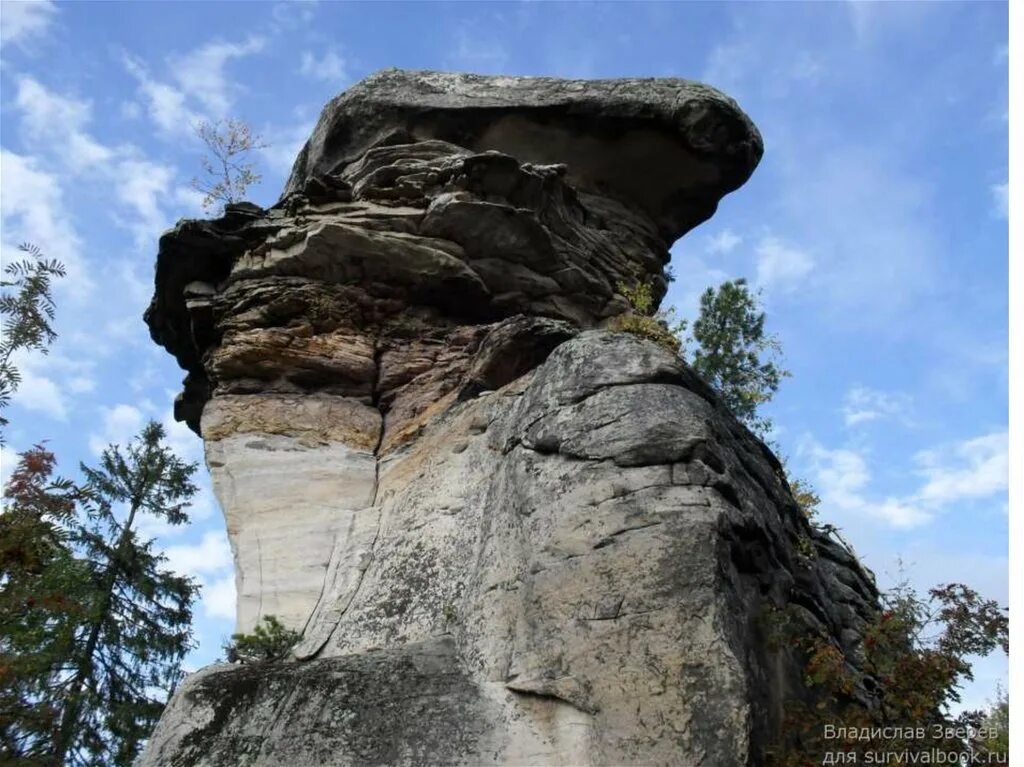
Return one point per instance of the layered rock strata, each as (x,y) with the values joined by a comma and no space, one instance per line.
(506,535)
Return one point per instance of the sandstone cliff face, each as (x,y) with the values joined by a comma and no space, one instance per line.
(507,536)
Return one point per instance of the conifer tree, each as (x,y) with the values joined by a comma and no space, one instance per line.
(129,647)
(734,354)
(41,602)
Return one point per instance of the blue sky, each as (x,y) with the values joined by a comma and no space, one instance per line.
(876,224)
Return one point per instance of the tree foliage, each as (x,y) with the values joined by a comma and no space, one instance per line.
(228,169)
(731,349)
(129,646)
(897,694)
(27,312)
(41,602)
(734,354)
(269,641)
(92,627)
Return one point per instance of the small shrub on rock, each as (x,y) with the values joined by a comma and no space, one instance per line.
(661,326)
(269,641)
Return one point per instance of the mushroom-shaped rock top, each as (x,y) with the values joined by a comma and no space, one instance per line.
(673,147)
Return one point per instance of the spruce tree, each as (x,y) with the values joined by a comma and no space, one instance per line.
(129,647)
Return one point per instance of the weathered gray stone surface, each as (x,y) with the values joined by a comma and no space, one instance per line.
(506,535)
(673,147)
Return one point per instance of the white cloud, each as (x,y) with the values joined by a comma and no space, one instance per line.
(841,477)
(974,468)
(723,242)
(862,405)
(219,598)
(20,22)
(200,73)
(8,461)
(120,424)
(179,438)
(58,123)
(780,265)
(207,557)
(131,110)
(329,68)
(45,111)
(209,561)
(200,89)
(40,394)
(48,380)
(900,514)
(32,209)
(1001,199)
(294,13)
(165,103)
(141,186)
(190,200)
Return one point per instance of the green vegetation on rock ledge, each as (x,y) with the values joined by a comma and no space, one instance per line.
(269,641)
(731,350)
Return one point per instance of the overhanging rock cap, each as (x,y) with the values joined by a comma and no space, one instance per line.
(673,147)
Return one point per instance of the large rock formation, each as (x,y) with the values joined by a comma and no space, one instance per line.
(506,535)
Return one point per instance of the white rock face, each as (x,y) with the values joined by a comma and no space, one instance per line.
(292,505)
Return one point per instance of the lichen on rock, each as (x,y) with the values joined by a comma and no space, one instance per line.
(507,535)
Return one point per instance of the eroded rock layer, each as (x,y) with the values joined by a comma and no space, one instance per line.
(505,535)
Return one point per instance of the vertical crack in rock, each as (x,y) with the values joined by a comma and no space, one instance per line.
(312,647)
(329,568)
(581,541)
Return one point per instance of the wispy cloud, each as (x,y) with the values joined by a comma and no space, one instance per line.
(723,242)
(142,186)
(33,209)
(165,104)
(842,476)
(23,22)
(198,89)
(209,555)
(119,424)
(284,143)
(780,266)
(219,597)
(863,405)
(1001,199)
(57,126)
(209,562)
(293,14)
(329,67)
(201,73)
(61,122)
(974,468)
(970,470)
